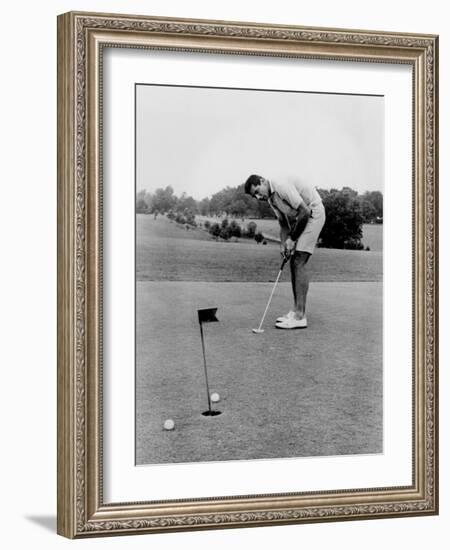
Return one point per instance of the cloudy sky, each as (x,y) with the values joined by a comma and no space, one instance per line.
(200,140)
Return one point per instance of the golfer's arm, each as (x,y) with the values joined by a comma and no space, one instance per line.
(303,214)
(284,233)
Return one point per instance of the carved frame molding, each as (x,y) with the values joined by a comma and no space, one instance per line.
(81,37)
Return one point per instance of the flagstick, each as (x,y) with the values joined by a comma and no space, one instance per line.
(206,372)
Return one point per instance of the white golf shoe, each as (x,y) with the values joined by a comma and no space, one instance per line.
(292,323)
(285,317)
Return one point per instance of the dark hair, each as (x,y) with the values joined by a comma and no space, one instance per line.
(253,180)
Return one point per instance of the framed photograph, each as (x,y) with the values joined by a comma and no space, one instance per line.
(247,274)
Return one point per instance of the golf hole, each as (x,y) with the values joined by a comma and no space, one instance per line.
(211,413)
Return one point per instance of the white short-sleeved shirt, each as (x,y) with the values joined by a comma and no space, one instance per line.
(294,192)
(285,198)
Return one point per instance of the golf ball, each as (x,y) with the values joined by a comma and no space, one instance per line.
(215,397)
(169,424)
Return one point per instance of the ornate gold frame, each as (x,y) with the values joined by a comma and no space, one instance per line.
(81,37)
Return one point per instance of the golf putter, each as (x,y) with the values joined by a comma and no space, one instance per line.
(260,330)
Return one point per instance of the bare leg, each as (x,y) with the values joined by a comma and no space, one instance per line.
(300,281)
(293,280)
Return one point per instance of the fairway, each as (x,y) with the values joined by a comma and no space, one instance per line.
(166,251)
(312,392)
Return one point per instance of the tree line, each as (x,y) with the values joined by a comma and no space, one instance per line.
(346,210)
(233,201)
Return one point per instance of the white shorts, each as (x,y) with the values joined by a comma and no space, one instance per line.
(308,239)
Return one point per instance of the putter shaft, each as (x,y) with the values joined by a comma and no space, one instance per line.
(270,298)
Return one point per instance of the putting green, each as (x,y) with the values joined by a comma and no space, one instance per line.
(313,392)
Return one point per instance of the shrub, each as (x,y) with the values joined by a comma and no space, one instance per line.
(207,224)
(215,230)
(251,230)
(225,233)
(343,225)
(190,218)
(259,237)
(235,229)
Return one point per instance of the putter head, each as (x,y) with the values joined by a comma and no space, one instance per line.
(258,330)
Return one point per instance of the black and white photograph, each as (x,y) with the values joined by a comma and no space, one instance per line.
(258,274)
(221,291)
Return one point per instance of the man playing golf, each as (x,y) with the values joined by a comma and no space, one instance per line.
(301,215)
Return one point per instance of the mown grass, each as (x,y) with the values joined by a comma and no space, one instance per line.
(166,251)
(314,392)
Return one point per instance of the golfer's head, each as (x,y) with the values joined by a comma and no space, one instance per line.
(257,187)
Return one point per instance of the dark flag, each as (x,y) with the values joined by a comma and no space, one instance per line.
(207,315)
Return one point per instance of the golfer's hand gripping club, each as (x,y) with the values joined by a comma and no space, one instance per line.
(285,259)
